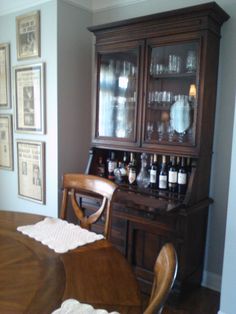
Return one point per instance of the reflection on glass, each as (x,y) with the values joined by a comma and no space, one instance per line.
(172,93)
(180,114)
(192,90)
(117,94)
(107,81)
(192,94)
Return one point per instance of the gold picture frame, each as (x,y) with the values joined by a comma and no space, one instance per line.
(5,98)
(28,35)
(31,170)
(29,98)
(6,155)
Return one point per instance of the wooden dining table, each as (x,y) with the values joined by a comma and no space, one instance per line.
(34,279)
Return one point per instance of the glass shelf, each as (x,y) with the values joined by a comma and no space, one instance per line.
(173,75)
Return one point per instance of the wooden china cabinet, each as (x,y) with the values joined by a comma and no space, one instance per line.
(156,79)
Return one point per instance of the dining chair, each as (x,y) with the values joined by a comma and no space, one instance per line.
(74,183)
(165,270)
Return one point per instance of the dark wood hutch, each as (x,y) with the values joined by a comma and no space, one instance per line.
(156,79)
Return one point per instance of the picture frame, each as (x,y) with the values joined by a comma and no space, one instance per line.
(28,35)
(29,98)
(5,98)
(6,150)
(31,170)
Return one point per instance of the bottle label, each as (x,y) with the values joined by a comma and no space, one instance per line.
(111,166)
(132,176)
(182,178)
(173,176)
(153,176)
(163,181)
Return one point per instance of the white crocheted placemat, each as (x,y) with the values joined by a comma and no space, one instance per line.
(72,306)
(59,235)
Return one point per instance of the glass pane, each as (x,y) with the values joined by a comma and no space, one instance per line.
(171,104)
(117,94)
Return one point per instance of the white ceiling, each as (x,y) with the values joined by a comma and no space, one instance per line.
(10,6)
(98,5)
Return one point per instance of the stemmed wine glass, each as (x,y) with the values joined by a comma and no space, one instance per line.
(170,131)
(181,137)
(150,128)
(160,130)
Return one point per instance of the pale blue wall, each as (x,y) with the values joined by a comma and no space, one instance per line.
(66,46)
(228,304)
(74,87)
(8,179)
(223,125)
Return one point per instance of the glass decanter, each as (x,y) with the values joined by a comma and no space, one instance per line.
(143,178)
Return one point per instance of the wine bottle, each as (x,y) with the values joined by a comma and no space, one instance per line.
(188,168)
(150,163)
(154,173)
(101,167)
(125,164)
(132,170)
(178,163)
(172,176)
(163,175)
(120,173)
(111,165)
(182,177)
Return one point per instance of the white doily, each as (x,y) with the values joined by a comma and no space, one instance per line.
(72,306)
(59,235)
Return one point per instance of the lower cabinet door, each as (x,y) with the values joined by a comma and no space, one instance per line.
(144,245)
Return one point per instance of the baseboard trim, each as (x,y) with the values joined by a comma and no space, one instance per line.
(212,281)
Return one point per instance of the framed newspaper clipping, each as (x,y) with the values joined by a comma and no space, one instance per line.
(29,98)
(28,35)
(5,102)
(6,157)
(31,170)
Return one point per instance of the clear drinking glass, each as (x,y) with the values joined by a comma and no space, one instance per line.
(174,64)
(150,128)
(191,61)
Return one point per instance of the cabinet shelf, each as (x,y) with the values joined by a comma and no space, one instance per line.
(155,105)
(148,200)
(162,194)
(173,76)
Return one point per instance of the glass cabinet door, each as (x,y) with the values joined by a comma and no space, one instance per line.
(117,95)
(171,98)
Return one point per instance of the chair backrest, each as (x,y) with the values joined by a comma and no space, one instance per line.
(73,183)
(164,275)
